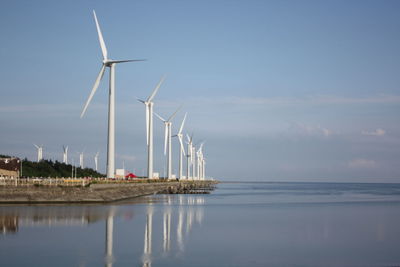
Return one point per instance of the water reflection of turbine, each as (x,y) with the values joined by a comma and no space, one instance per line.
(179,229)
(109,239)
(189,220)
(196,214)
(167,229)
(147,238)
(199,215)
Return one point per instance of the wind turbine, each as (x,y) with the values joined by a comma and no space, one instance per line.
(81,159)
(189,155)
(192,157)
(193,161)
(203,172)
(96,160)
(111,100)
(39,152)
(199,162)
(65,154)
(149,127)
(182,150)
(167,138)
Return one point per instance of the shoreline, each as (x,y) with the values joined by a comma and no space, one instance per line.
(96,193)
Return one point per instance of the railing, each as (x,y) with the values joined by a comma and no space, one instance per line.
(69,181)
(44,181)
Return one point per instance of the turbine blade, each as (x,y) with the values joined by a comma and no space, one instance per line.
(36,146)
(201,147)
(173,115)
(101,40)
(161,118)
(123,61)
(140,100)
(165,139)
(95,86)
(147,124)
(183,122)
(182,147)
(156,89)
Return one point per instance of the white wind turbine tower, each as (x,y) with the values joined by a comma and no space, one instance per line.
(203,172)
(81,159)
(182,148)
(111,101)
(149,127)
(96,161)
(167,140)
(39,152)
(193,159)
(189,156)
(199,162)
(65,154)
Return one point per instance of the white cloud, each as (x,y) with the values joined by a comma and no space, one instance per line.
(362,164)
(311,130)
(377,132)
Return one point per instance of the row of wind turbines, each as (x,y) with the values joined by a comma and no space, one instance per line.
(65,156)
(193,171)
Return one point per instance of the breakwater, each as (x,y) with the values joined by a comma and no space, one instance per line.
(98,193)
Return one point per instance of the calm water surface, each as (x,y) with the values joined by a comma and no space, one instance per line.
(241,224)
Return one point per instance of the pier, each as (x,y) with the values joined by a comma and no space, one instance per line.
(97,192)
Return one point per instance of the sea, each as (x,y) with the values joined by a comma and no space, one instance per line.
(238,224)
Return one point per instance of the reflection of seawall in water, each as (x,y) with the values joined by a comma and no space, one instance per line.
(9,224)
(53,215)
(185,211)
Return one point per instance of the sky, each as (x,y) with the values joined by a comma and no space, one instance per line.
(277,90)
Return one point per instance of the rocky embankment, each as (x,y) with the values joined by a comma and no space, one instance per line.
(98,193)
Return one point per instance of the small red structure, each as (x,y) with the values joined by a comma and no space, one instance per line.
(130,175)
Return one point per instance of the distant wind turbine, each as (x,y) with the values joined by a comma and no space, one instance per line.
(193,153)
(182,148)
(204,168)
(96,160)
(149,127)
(200,162)
(39,152)
(65,154)
(111,101)
(167,140)
(81,158)
(189,156)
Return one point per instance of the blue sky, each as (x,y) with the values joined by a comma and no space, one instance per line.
(280,90)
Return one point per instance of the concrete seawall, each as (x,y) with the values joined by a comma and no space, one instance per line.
(95,193)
